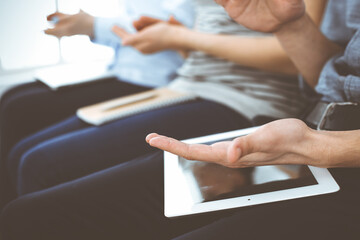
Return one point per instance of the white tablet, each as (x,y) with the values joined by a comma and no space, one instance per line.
(193,187)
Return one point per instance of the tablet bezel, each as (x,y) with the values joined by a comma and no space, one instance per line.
(177,195)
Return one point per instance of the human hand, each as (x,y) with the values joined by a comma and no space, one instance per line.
(153,35)
(264,15)
(69,25)
(279,142)
(145,21)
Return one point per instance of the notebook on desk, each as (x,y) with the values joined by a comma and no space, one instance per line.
(111,110)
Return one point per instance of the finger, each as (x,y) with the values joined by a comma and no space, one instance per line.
(138,25)
(63,20)
(49,31)
(55,32)
(221,2)
(49,17)
(55,14)
(150,136)
(120,32)
(241,147)
(145,21)
(214,153)
(172,20)
(234,152)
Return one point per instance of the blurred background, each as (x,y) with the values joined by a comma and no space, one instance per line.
(24,48)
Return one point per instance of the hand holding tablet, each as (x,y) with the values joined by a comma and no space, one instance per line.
(222,173)
(280,142)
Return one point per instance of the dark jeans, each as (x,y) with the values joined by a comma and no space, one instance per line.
(28,108)
(126,202)
(72,149)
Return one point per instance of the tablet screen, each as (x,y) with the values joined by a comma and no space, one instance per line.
(209,181)
(193,187)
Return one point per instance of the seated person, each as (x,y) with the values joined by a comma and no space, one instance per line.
(273,145)
(134,71)
(126,201)
(72,149)
(129,66)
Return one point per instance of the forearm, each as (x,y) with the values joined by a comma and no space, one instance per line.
(331,149)
(264,53)
(88,27)
(307,47)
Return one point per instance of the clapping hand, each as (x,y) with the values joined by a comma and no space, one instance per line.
(69,25)
(264,15)
(154,35)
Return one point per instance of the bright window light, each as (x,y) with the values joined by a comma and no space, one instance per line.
(24,45)
(22,41)
(78,48)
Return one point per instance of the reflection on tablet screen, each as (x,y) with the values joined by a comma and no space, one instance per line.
(209,181)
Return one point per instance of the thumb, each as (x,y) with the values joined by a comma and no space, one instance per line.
(239,148)
(54,15)
(145,21)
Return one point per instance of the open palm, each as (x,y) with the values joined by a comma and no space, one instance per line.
(271,144)
(264,15)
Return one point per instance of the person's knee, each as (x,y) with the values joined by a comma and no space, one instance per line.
(14,157)
(8,102)
(33,171)
(10,93)
(14,95)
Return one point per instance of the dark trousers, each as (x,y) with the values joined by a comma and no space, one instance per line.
(28,108)
(126,202)
(82,182)
(71,150)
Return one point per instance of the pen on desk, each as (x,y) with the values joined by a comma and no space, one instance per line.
(128,100)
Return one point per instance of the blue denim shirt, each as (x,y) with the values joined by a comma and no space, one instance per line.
(130,65)
(340,78)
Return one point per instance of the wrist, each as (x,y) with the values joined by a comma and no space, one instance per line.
(87,27)
(294,27)
(179,36)
(315,149)
(305,149)
(306,46)
(330,149)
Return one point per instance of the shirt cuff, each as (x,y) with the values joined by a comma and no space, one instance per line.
(352,88)
(103,33)
(331,83)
